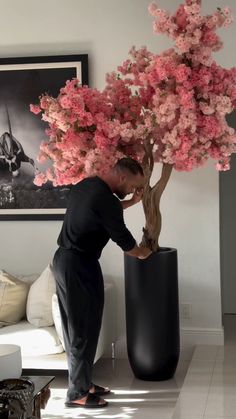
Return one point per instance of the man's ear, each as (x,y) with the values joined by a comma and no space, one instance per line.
(123,178)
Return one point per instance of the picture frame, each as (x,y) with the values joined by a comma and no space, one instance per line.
(22,81)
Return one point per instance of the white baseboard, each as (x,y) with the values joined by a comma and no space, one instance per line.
(189,338)
(199,336)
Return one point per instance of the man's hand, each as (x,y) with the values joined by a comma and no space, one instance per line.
(137,196)
(144,252)
(139,252)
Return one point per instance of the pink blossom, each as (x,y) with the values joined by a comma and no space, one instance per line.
(181,17)
(227,11)
(196,19)
(194,8)
(152,8)
(40,179)
(227,22)
(223,165)
(183,43)
(206,109)
(42,157)
(35,109)
(182,72)
(101,141)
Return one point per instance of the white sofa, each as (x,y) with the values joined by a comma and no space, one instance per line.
(41,339)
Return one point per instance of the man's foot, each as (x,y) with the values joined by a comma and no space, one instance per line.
(90,401)
(98,390)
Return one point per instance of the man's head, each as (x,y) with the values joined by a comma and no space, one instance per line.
(128,174)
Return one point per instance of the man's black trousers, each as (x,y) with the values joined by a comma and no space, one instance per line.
(80,291)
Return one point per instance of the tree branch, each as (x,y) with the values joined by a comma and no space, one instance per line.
(148,160)
(165,175)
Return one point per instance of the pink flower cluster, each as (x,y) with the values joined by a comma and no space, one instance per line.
(194,34)
(186,94)
(174,103)
(88,131)
(188,105)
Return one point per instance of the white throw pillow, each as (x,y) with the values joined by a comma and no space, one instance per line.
(39,302)
(13,296)
(57,319)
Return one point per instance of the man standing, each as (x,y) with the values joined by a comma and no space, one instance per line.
(94,215)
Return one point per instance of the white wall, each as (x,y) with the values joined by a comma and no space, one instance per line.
(106,29)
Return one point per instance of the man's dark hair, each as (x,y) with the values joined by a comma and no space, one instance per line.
(127,163)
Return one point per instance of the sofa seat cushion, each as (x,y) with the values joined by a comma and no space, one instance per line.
(33,340)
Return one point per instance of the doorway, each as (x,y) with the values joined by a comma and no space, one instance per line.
(228,232)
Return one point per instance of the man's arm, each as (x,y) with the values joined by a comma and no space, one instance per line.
(111,213)
(139,252)
(137,196)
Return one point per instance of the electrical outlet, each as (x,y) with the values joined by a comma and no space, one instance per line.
(185,311)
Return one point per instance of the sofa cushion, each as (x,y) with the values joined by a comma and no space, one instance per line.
(39,301)
(13,297)
(29,279)
(32,340)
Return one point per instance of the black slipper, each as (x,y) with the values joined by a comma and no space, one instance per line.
(92,402)
(100,391)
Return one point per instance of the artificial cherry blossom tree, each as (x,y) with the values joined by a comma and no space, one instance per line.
(168,109)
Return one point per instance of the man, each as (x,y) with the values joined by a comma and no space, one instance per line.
(94,215)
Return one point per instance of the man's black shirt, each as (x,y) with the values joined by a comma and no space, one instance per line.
(93,216)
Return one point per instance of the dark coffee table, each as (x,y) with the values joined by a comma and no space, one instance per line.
(41,392)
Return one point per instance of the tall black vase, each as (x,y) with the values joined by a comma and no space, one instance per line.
(152,314)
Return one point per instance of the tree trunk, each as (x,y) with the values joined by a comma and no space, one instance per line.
(151,205)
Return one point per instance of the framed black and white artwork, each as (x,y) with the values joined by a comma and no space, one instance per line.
(22,81)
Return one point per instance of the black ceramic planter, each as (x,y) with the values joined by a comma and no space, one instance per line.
(152,314)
